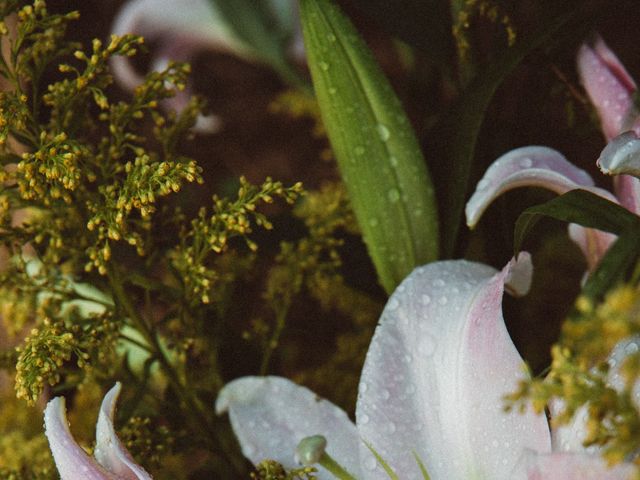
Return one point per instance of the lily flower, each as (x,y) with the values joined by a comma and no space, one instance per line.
(611,91)
(182,29)
(112,460)
(431,392)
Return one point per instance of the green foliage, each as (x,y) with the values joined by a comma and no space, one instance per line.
(593,372)
(211,233)
(107,277)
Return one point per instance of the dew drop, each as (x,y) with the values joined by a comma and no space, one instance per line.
(373,222)
(482,184)
(391,428)
(323,65)
(249,451)
(383,132)
(631,348)
(426,299)
(393,161)
(331,37)
(370,463)
(526,162)
(364,387)
(364,419)
(359,150)
(443,300)
(332,90)
(392,304)
(427,346)
(393,195)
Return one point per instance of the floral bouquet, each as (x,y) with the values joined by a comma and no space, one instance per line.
(212,209)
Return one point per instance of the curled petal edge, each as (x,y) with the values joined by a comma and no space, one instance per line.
(109,451)
(532,166)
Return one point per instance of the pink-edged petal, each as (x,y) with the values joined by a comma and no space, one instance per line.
(593,243)
(532,166)
(270,415)
(434,378)
(569,466)
(609,86)
(621,157)
(109,451)
(71,460)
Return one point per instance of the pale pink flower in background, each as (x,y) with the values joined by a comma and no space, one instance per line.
(112,460)
(180,30)
(432,388)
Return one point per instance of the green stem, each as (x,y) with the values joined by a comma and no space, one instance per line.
(272,343)
(335,468)
(193,408)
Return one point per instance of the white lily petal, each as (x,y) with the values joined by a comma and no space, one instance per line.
(609,86)
(433,382)
(71,460)
(109,451)
(532,166)
(270,415)
(569,466)
(621,155)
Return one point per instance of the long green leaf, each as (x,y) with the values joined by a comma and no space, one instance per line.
(378,154)
(577,206)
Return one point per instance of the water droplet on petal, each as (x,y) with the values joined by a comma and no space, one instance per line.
(331,37)
(323,65)
(393,304)
(393,161)
(482,184)
(370,463)
(383,132)
(443,300)
(631,348)
(393,195)
(373,222)
(426,299)
(526,162)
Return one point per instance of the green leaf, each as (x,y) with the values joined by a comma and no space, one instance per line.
(577,206)
(621,257)
(378,154)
